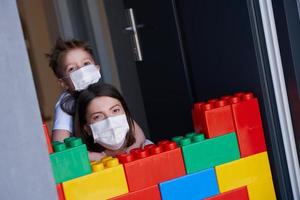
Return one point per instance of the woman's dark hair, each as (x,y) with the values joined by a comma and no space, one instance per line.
(85,97)
(60,49)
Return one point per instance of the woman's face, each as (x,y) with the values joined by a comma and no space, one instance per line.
(102,107)
(112,132)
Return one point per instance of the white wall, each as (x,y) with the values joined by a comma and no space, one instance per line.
(25,171)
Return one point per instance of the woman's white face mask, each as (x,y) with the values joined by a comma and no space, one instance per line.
(85,76)
(111,132)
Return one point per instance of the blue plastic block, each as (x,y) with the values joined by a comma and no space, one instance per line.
(194,186)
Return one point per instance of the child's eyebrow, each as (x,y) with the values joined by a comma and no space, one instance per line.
(65,66)
(88,58)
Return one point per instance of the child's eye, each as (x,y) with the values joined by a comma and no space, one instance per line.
(87,63)
(72,69)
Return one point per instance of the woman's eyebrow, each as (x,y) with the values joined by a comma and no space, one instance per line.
(115,106)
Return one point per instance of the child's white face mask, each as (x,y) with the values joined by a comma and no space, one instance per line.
(111,132)
(85,76)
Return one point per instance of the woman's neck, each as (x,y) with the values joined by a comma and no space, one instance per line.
(115,152)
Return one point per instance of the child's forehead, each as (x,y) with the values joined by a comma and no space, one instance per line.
(78,51)
(76,54)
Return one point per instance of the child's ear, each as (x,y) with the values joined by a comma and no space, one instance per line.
(63,84)
(98,66)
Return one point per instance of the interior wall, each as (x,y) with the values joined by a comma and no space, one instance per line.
(25,170)
(40,33)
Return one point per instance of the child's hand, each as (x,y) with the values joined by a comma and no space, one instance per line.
(60,135)
(95,156)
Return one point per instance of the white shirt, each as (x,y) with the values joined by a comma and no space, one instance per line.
(62,120)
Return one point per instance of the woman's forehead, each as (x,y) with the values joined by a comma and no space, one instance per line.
(103,103)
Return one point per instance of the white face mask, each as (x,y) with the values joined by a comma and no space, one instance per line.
(85,76)
(111,132)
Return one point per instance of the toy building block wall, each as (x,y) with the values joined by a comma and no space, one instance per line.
(152,165)
(236,194)
(194,186)
(248,124)
(252,171)
(149,193)
(107,181)
(47,137)
(239,113)
(216,117)
(60,192)
(69,160)
(196,116)
(200,153)
(221,166)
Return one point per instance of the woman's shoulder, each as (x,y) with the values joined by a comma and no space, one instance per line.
(147,142)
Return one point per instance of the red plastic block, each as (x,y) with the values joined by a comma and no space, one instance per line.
(217,118)
(152,165)
(60,192)
(248,124)
(149,193)
(47,136)
(236,194)
(197,119)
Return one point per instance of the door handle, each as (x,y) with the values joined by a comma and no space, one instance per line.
(133,28)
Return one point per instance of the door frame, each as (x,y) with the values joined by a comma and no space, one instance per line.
(282,103)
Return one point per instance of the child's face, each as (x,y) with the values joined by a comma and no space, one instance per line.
(101,108)
(71,61)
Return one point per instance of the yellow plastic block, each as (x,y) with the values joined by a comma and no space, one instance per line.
(107,180)
(253,172)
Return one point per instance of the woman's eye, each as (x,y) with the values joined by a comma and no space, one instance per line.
(116,110)
(97,117)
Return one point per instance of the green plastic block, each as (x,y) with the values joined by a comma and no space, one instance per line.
(197,136)
(69,160)
(200,153)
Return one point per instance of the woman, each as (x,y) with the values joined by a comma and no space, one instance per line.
(104,121)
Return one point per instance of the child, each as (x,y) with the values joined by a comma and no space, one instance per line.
(73,64)
(104,121)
